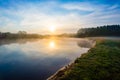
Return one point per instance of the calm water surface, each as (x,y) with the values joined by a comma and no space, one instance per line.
(36,59)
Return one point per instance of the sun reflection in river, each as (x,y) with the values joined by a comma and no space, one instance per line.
(52,44)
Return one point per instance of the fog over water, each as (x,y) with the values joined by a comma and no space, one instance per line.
(37,59)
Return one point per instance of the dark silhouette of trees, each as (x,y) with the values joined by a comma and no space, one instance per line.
(20,34)
(107,30)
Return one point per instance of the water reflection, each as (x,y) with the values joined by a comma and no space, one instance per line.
(52,44)
(18,41)
(85,43)
(36,59)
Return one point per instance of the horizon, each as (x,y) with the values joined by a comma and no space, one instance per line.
(56,16)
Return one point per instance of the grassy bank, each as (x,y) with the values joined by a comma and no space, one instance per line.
(100,63)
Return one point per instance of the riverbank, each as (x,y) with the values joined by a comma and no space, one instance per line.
(99,63)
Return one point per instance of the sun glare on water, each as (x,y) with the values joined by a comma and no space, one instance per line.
(52,44)
(52,47)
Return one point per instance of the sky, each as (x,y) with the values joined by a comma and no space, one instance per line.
(65,16)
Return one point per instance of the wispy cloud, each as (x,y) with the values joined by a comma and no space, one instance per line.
(114,6)
(83,6)
(67,17)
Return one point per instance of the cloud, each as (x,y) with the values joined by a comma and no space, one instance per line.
(66,17)
(79,6)
(114,6)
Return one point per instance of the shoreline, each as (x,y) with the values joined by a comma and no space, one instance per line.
(96,64)
(61,71)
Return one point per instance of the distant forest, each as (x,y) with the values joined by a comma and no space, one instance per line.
(20,34)
(107,30)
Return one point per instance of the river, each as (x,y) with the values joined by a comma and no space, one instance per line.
(38,59)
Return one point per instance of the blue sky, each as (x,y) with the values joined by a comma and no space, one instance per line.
(67,16)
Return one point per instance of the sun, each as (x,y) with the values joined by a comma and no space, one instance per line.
(52,29)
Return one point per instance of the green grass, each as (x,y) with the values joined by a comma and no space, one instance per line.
(100,63)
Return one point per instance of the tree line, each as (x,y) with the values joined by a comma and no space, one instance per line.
(20,34)
(24,34)
(106,30)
